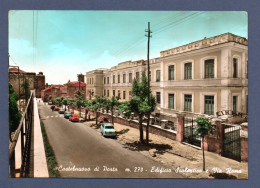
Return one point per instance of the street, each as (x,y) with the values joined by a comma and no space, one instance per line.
(82,152)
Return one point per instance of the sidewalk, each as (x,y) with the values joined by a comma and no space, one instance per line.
(185,158)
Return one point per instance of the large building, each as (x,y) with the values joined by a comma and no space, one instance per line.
(18,77)
(202,77)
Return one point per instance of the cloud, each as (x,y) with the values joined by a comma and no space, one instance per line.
(20,47)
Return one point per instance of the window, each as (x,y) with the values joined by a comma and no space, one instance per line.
(118,78)
(188,71)
(114,79)
(158,76)
(124,78)
(158,97)
(130,94)
(114,93)
(234,103)
(123,94)
(149,75)
(187,102)
(234,68)
(107,93)
(130,78)
(118,94)
(107,80)
(171,72)
(171,101)
(137,76)
(209,68)
(104,92)
(209,105)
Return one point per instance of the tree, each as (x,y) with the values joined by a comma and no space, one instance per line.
(112,104)
(57,101)
(95,104)
(27,90)
(139,103)
(204,127)
(65,101)
(71,102)
(14,115)
(80,101)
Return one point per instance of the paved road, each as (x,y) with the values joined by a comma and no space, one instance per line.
(79,150)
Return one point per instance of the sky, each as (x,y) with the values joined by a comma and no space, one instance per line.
(62,44)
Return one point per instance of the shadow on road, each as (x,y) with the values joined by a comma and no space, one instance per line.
(160,148)
(222,176)
(122,131)
(95,126)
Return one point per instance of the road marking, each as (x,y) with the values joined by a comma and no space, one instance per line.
(56,116)
(61,115)
(51,116)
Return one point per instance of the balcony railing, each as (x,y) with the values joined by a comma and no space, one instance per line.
(24,132)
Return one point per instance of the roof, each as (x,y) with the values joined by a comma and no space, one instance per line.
(55,86)
(16,70)
(204,43)
(76,84)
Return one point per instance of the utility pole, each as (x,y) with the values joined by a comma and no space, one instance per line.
(148,83)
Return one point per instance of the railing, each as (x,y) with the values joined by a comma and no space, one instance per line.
(24,131)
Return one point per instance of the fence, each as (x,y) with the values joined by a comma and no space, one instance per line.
(24,132)
(190,135)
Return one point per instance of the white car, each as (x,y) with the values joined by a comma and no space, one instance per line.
(107,129)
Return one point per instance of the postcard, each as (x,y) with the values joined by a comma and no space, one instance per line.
(128,94)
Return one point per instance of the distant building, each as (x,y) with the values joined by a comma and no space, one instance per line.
(51,92)
(18,78)
(73,87)
(67,90)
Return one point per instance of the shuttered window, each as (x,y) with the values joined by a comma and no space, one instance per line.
(209,68)
(209,105)
(171,72)
(187,102)
(188,71)
(171,101)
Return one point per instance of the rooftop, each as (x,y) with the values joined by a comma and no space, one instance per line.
(76,84)
(206,42)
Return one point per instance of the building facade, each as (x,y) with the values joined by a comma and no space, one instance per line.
(67,90)
(18,78)
(201,77)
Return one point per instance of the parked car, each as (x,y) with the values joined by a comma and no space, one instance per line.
(61,111)
(74,117)
(56,108)
(50,103)
(67,114)
(107,129)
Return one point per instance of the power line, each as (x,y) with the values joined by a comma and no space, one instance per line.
(13,60)
(140,40)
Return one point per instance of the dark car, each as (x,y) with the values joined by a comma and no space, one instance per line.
(61,111)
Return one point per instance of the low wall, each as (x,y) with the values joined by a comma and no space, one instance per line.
(135,124)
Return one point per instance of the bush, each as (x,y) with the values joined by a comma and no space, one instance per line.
(14,115)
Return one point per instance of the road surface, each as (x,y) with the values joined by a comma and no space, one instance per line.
(81,152)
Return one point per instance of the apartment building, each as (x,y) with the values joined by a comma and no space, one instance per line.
(202,77)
